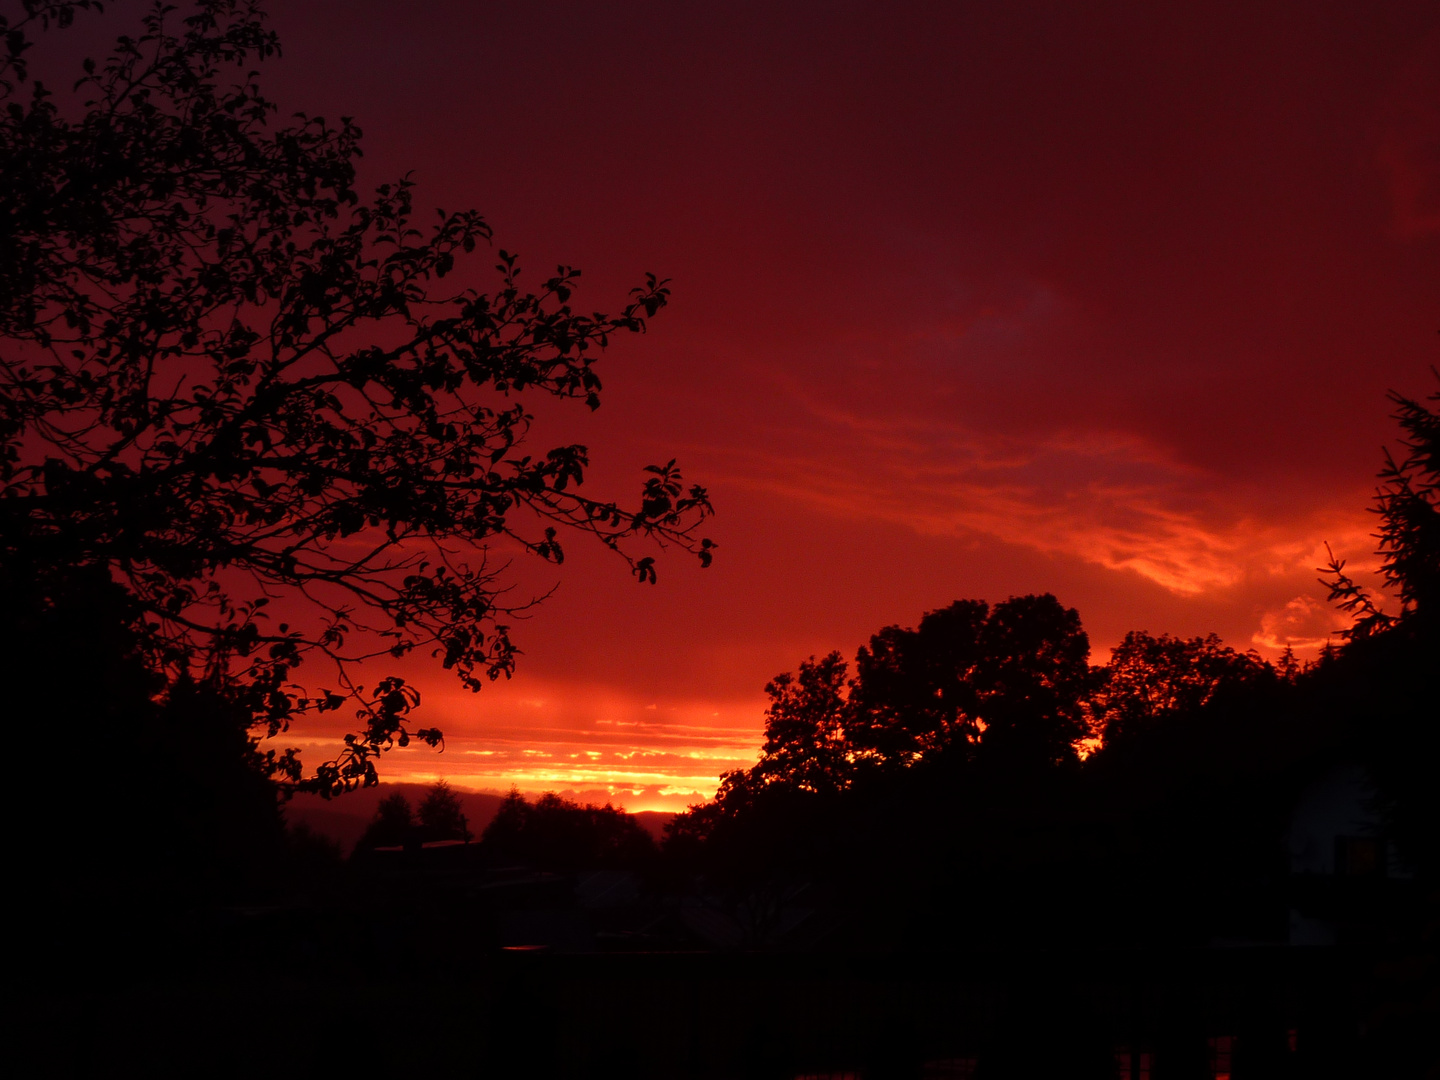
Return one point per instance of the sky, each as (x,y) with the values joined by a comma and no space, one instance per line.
(970,300)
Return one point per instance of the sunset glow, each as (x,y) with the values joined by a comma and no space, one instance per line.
(976,302)
(723,540)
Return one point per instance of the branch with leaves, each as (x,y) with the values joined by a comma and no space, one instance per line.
(1408,504)
(233,381)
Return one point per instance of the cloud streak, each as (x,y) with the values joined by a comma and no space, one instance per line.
(1108,498)
(599,740)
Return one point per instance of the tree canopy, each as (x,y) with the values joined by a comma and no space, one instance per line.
(1007,685)
(1002,682)
(1408,505)
(441,815)
(806,726)
(233,381)
(1390,661)
(1149,678)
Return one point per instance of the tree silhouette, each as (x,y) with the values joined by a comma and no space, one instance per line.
(232,381)
(976,700)
(1384,675)
(503,834)
(1151,677)
(1409,507)
(1007,686)
(1007,682)
(915,695)
(1033,679)
(440,815)
(1408,504)
(805,728)
(557,833)
(152,792)
(393,824)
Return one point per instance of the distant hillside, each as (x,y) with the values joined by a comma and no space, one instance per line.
(344,819)
(654,822)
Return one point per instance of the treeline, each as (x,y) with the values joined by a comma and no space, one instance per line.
(396,823)
(552,832)
(974,778)
(1003,690)
(970,775)
(974,775)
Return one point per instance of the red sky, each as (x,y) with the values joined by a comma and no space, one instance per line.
(970,300)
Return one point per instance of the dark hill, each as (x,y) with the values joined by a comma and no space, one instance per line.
(344,819)
(654,822)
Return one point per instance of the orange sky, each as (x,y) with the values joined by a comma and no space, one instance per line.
(970,300)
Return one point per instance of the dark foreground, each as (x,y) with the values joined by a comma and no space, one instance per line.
(427,1008)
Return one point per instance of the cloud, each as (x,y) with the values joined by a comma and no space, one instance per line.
(599,742)
(1303,624)
(1107,498)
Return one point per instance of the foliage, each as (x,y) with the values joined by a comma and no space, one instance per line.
(1149,678)
(1005,688)
(805,727)
(939,796)
(915,691)
(162,786)
(233,382)
(1033,677)
(945,771)
(1408,504)
(972,681)
(1385,675)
